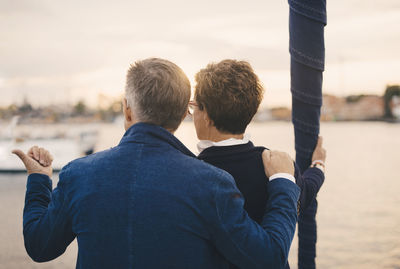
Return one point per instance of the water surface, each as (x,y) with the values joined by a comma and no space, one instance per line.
(358,216)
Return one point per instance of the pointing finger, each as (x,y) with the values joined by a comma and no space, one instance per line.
(21,155)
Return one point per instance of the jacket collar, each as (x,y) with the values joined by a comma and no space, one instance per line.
(153,134)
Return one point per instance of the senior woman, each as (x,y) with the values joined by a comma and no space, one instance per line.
(227,96)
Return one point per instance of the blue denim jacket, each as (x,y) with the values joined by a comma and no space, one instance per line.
(149,203)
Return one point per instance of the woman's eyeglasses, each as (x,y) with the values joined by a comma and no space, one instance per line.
(192,105)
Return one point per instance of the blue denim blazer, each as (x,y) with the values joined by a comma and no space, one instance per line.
(149,203)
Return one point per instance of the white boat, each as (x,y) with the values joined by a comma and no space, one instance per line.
(64,148)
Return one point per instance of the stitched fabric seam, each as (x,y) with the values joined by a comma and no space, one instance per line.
(309,8)
(305,123)
(305,56)
(305,94)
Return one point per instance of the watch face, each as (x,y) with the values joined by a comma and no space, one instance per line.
(319,166)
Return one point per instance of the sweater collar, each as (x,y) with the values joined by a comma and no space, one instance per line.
(222,152)
(153,134)
(205,144)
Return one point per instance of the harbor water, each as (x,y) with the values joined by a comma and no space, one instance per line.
(359,203)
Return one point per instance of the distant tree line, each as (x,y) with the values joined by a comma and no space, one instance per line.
(62,113)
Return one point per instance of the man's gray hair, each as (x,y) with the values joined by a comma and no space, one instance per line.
(158,92)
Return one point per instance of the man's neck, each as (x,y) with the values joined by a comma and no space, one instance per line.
(130,124)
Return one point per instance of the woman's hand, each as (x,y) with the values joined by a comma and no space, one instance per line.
(319,152)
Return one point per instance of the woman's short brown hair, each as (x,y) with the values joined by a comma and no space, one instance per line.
(230,92)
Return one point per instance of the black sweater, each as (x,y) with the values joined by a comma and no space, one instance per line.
(244,163)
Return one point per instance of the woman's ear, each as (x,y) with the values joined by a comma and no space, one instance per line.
(207,119)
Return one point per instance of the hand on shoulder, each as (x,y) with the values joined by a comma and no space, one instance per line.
(277,162)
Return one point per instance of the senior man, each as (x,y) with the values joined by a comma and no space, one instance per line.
(148,202)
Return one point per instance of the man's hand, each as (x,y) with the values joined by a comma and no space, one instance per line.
(277,162)
(37,160)
(319,151)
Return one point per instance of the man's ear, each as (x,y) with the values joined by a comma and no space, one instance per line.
(127,111)
(185,114)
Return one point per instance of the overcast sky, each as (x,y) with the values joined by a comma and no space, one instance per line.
(62,51)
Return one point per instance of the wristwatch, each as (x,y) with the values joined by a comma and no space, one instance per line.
(319,164)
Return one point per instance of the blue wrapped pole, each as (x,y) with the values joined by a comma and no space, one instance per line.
(307,19)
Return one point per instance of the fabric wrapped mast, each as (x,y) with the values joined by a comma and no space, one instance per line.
(307,20)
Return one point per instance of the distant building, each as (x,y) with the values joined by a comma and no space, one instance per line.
(360,107)
(262,115)
(281,113)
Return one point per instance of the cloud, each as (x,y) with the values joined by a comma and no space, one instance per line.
(80,47)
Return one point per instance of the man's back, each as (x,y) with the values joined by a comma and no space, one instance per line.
(149,203)
(133,206)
